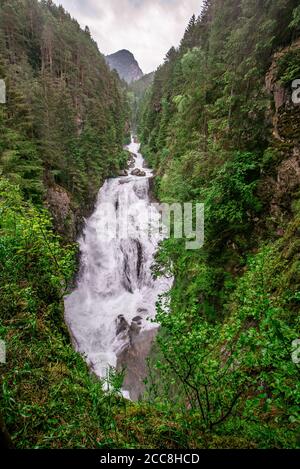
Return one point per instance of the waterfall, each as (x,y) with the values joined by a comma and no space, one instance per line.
(116,293)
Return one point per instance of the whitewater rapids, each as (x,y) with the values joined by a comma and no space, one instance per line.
(116,294)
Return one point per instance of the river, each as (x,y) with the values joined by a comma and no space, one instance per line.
(111,311)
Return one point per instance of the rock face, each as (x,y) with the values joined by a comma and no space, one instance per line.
(284,107)
(134,360)
(126,65)
(59,203)
(285,116)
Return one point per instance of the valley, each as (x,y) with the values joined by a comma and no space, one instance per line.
(119,340)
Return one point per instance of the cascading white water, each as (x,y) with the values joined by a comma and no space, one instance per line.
(116,292)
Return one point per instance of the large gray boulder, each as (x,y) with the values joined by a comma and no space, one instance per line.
(138,172)
(123,173)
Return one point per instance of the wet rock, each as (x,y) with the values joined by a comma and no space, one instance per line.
(137,319)
(140,259)
(141,189)
(134,360)
(135,329)
(138,172)
(131,161)
(122,325)
(123,173)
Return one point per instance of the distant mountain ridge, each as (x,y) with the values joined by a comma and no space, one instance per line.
(126,65)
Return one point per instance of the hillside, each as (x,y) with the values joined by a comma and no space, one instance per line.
(63,127)
(220,127)
(126,65)
(136,93)
(61,134)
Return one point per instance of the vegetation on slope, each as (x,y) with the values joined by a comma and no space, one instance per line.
(62,129)
(136,93)
(61,134)
(220,128)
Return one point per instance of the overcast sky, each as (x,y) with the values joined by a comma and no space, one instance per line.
(148,28)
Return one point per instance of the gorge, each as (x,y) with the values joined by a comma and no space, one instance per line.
(113,335)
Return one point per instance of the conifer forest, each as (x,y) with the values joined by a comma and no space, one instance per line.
(128,343)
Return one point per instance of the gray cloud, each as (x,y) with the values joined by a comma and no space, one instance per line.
(148,28)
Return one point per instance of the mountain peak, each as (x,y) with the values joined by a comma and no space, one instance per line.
(124,51)
(125,64)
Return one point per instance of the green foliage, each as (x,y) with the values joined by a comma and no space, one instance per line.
(48,398)
(289,67)
(29,251)
(64,122)
(222,374)
(238,371)
(224,350)
(62,128)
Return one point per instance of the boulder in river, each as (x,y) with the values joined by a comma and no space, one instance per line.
(131,161)
(126,331)
(137,319)
(138,172)
(122,324)
(123,172)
